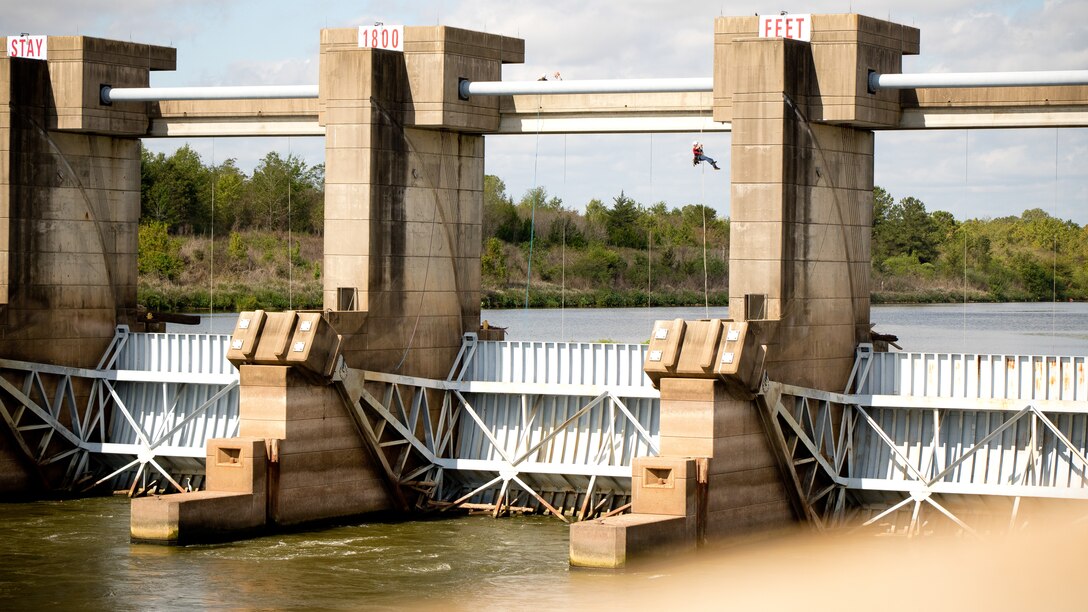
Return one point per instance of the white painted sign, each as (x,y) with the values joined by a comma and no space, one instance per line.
(382,37)
(786,26)
(31,47)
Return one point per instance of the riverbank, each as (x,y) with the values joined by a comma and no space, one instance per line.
(277,294)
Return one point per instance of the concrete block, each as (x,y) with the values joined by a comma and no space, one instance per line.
(680,446)
(262,403)
(690,389)
(616,541)
(328,501)
(663,485)
(347,201)
(236,465)
(347,271)
(763,518)
(335,431)
(348,237)
(197,517)
(745,488)
(262,428)
(692,419)
(332,467)
(740,453)
(263,376)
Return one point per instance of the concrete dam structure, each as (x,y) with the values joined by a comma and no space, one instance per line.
(392,400)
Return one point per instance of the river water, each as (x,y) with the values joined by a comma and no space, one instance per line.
(1035,328)
(76,554)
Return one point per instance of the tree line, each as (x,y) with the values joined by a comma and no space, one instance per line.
(187,196)
(616,253)
(1031,257)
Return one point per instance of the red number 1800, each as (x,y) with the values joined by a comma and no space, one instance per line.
(382,37)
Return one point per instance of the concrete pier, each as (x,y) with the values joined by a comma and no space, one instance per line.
(69,208)
(801,219)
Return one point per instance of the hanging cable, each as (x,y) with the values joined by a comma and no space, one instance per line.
(290,246)
(532,215)
(650,229)
(706,290)
(563,255)
(211,249)
(1054,273)
(963,216)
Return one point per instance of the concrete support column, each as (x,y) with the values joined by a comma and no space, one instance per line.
(802,163)
(744,491)
(404,193)
(801,218)
(70,197)
(321,468)
(69,209)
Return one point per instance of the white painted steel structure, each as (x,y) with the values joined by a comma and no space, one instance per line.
(555,426)
(468,88)
(1034,78)
(923,435)
(110,95)
(150,405)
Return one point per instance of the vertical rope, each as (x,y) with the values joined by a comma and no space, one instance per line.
(706,292)
(650,230)
(1054,273)
(290,236)
(532,216)
(966,190)
(211,253)
(563,254)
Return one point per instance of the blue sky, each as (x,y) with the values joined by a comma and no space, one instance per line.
(228,42)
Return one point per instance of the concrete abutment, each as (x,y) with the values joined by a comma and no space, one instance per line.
(801,193)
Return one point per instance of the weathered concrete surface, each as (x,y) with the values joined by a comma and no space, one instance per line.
(297,460)
(615,541)
(802,180)
(322,469)
(69,207)
(233,506)
(404,193)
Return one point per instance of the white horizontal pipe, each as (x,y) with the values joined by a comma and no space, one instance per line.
(978,79)
(589,86)
(247,92)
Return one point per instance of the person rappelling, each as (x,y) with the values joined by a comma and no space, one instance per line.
(697,152)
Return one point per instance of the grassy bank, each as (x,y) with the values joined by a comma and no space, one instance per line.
(249,270)
(597,298)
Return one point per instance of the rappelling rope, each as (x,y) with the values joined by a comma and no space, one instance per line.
(649,228)
(963,216)
(290,259)
(1054,272)
(532,215)
(211,249)
(706,294)
(563,254)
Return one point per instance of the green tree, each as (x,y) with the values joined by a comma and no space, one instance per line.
(227,197)
(882,237)
(496,205)
(622,223)
(493,262)
(171,189)
(158,254)
(283,193)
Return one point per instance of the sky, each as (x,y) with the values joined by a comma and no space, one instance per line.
(972,174)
